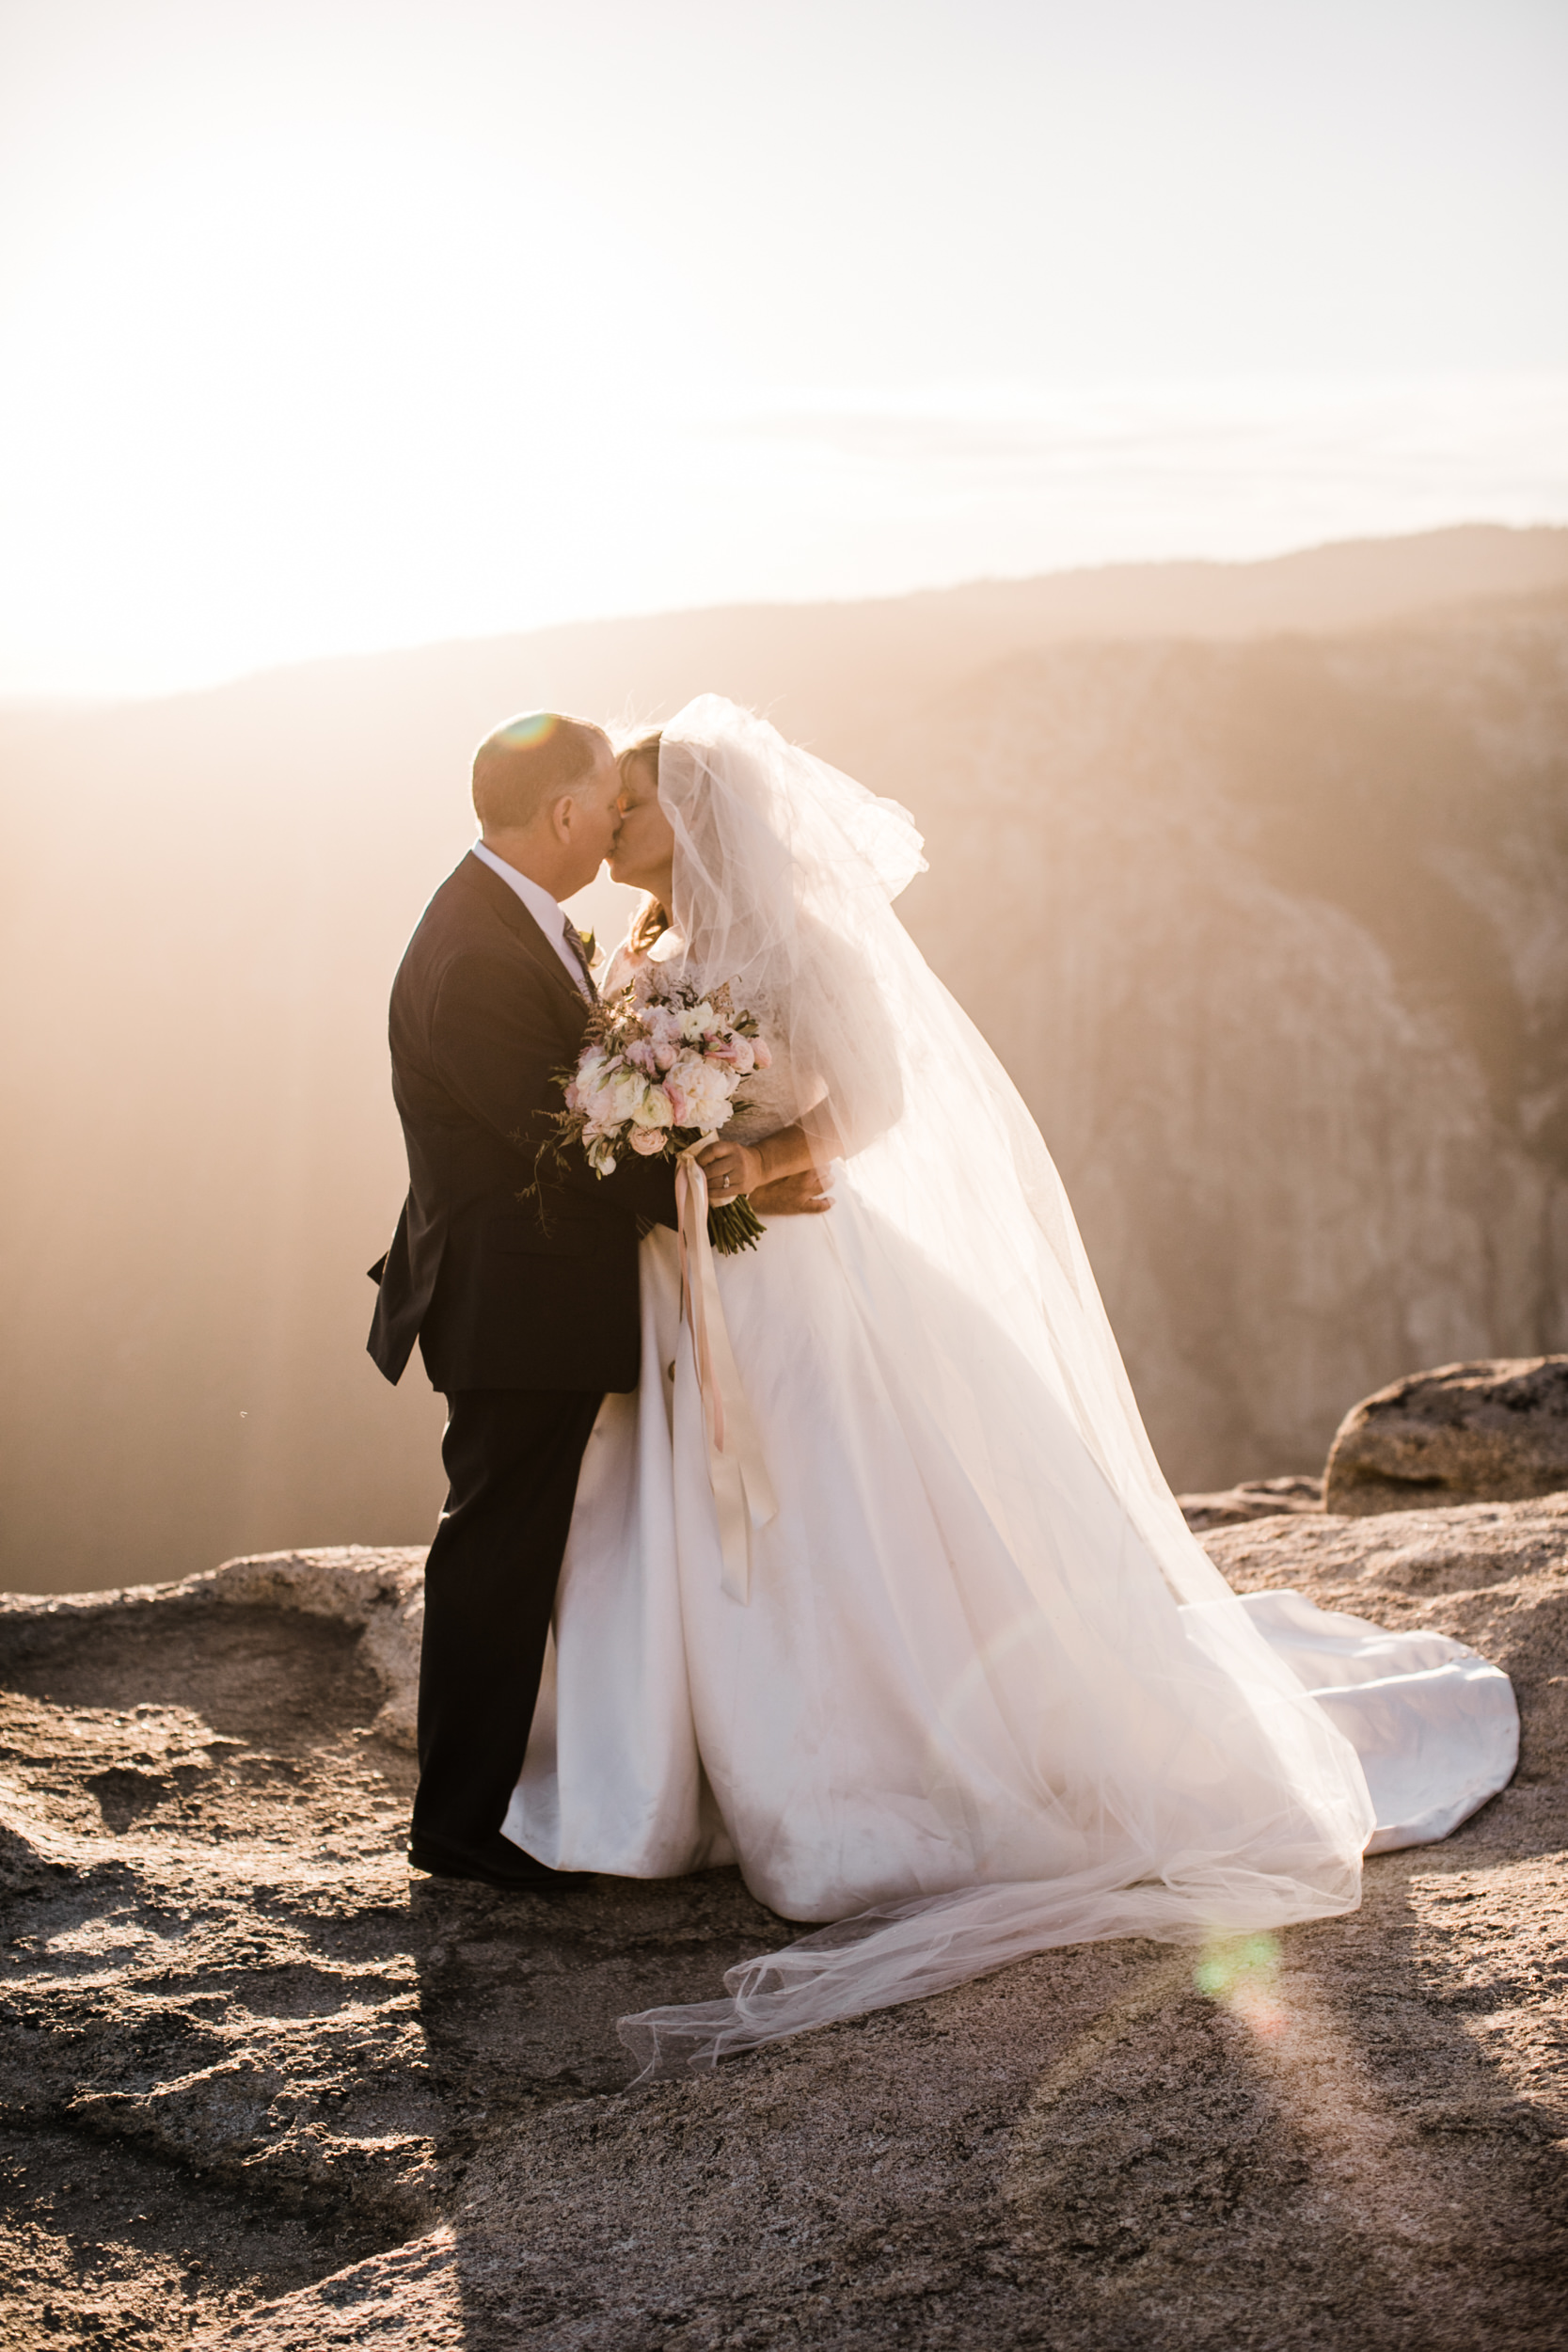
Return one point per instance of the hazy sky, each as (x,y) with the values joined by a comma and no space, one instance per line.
(334,325)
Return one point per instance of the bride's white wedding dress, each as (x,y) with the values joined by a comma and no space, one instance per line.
(986,1693)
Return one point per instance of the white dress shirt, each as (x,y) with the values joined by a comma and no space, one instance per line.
(546,912)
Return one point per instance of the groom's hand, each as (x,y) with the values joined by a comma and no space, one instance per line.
(793,1196)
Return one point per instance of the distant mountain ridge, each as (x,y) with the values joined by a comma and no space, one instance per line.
(1340,584)
(1253,873)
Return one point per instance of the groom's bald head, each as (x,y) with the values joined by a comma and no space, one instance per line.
(531,761)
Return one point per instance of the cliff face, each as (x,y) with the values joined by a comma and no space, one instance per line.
(257,2090)
(1267,928)
(1272,939)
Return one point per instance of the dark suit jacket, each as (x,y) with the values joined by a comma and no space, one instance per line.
(502,1292)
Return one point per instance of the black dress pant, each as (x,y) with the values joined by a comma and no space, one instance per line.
(512,1457)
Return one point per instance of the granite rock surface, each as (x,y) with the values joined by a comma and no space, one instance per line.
(1496,1431)
(1254,1498)
(258,2088)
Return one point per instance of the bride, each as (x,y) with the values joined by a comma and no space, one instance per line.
(972,1688)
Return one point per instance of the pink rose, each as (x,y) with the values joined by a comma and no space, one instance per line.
(647,1140)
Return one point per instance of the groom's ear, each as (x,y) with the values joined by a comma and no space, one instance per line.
(568,809)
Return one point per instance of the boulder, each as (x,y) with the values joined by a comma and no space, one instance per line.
(260,2092)
(1495,1431)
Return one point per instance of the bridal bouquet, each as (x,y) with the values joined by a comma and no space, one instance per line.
(660,1070)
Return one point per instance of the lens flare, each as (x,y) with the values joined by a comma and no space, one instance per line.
(532,727)
(1239,1972)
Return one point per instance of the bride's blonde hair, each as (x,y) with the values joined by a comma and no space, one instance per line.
(653,919)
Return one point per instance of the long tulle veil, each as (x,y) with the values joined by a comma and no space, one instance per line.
(785,876)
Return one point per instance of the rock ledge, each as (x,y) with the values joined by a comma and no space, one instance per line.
(260,2090)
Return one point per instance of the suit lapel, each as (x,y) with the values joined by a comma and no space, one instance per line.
(505,903)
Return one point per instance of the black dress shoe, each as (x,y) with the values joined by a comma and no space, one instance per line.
(492,1861)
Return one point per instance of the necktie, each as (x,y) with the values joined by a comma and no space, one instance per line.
(580,956)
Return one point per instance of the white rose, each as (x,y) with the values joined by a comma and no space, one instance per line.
(652,1109)
(626,1090)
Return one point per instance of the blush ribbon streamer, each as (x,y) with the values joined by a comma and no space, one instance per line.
(743,1493)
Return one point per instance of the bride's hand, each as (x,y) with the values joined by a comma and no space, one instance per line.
(731,1170)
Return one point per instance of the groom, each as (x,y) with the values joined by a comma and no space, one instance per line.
(526,1312)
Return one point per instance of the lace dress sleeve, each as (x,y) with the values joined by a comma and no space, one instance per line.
(622,967)
(845,1038)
